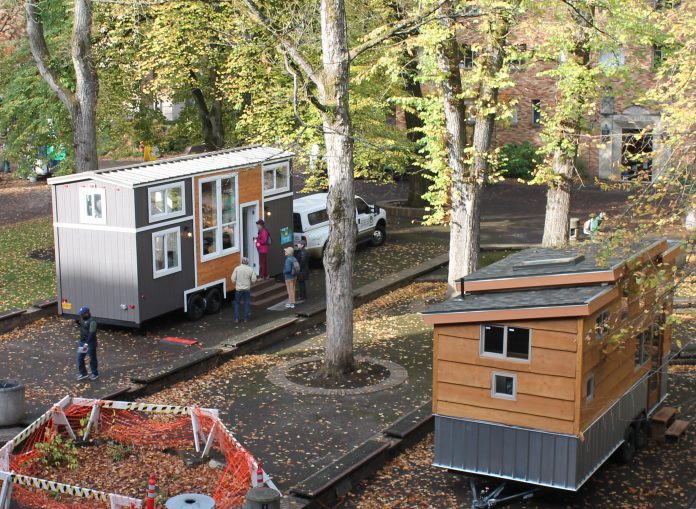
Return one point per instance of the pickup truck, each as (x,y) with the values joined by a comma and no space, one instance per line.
(311,223)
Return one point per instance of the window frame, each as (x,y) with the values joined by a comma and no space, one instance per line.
(169,270)
(590,382)
(504,355)
(658,56)
(536,112)
(86,218)
(274,167)
(601,330)
(218,227)
(643,339)
(166,215)
(468,60)
(500,395)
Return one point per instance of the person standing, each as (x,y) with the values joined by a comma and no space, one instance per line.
(243,277)
(263,240)
(290,271)
(87,344)
(303,276)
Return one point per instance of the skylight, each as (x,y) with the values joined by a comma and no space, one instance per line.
(549,262)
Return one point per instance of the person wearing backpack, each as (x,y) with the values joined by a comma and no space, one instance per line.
(290,271)
(263,240)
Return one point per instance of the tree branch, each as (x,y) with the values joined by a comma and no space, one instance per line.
(42,56)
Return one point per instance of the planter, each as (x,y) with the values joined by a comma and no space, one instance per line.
(12,402)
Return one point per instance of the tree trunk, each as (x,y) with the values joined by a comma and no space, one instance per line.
(340,248)
(212,126)
(557,220)
(82,104)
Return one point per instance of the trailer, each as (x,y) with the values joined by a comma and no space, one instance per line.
(139,241)
(530,383)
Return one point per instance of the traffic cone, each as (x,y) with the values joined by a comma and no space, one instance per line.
(151,492)
(259,476)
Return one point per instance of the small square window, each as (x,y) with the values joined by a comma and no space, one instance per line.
(276,178)
(589,388)
(602,324)
(518,343)
(92,205)
(494,339)
(166,201)
(504,385)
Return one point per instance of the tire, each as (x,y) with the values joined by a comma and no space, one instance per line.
(213,301)
(379,235)
(195,308)
(642,432)
(627,450)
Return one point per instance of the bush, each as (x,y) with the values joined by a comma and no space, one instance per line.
(56,451)
(518,160)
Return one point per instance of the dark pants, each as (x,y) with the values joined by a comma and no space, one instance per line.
(243,297)
(263,265)
(301,289)
(93,364)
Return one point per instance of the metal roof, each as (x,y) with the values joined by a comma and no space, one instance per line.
(167,169)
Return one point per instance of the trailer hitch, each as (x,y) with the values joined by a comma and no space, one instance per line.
(489,496)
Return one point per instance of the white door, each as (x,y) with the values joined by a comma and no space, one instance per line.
(365,218)
(250,212)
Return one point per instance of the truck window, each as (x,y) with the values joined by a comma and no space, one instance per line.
(320,216)
(363,208)
(297,222)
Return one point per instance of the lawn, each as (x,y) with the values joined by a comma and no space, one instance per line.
(24,280)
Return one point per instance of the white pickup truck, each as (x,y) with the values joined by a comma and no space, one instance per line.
(311,223)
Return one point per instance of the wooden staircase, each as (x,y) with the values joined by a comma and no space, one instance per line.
(665,426)
(266,293)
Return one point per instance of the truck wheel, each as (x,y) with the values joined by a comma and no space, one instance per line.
(213,301)
(195,309)
(628,449)
(379,236)
(642,430)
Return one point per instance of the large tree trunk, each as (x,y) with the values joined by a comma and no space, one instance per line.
(340,248)
(212,126)
(557,220)
(82,104)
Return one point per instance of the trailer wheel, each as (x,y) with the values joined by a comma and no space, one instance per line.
(642,432)
(195,308)
(213,301)
(628,449)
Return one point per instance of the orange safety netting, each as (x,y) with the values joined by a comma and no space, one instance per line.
(135,428)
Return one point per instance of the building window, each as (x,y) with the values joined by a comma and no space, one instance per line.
(166,201)
(656,56)
(536,112)
(589,387)
(276,178)
(513,119)
(218,208)
(612,59)
(504,385)
(166,252)
(503,341)
(642,354)
(92,205)
(468,57)
(602,324)
(666,4)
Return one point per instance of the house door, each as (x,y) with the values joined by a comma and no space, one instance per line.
(655,351)
(250,214)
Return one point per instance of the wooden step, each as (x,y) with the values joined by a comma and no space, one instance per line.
(664,415)
(676,430)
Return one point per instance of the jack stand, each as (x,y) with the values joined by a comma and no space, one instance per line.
(489,496)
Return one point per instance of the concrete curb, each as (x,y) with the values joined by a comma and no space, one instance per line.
(15,318)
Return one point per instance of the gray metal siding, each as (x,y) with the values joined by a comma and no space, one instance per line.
(506,451)
(141,198)
(118,202)
(166,293)
(98,269)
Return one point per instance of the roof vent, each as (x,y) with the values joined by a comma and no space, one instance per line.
(549,262)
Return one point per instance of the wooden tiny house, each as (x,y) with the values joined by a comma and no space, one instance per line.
(532,379)
(138,241)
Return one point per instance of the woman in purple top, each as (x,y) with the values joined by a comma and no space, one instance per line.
(262,242)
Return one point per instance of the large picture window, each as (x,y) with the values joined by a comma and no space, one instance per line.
(504,341)
(276,178)
(166,252)
(218,208)
(92,205)
(166,201)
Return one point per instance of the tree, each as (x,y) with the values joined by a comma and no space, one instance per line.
(82,102)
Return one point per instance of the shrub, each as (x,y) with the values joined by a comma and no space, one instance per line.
(56,452)
(518,160)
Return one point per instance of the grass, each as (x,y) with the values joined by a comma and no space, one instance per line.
(24,280)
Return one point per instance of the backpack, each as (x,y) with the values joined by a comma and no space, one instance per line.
(269,240)
(295,267)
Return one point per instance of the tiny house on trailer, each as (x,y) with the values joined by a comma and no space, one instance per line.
(138,241)
(528,384)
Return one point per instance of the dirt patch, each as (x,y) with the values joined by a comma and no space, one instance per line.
(23,200)
(366,373)
(47,254)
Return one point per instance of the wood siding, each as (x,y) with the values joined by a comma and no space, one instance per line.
(250,187)
(546,385)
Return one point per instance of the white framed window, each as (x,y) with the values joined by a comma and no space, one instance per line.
(167,201)
(218,216)
(514,343)
(276,178)
(504,385)
(93,205)
(612,59)
(166,252)
(589,387)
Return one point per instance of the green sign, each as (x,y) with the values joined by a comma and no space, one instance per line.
(285,235)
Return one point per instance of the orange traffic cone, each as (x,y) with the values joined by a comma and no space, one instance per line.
(259,476)
(151,492)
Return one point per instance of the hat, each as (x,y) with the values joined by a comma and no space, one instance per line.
(301,243)
(289,251)
(261,222)
(83,310)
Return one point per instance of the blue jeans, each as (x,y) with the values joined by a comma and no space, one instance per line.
(244,297)
(93,364)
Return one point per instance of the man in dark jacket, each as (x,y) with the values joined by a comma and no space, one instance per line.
(303,276)
(87,345)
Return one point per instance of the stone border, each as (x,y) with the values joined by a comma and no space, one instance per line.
(276,375)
